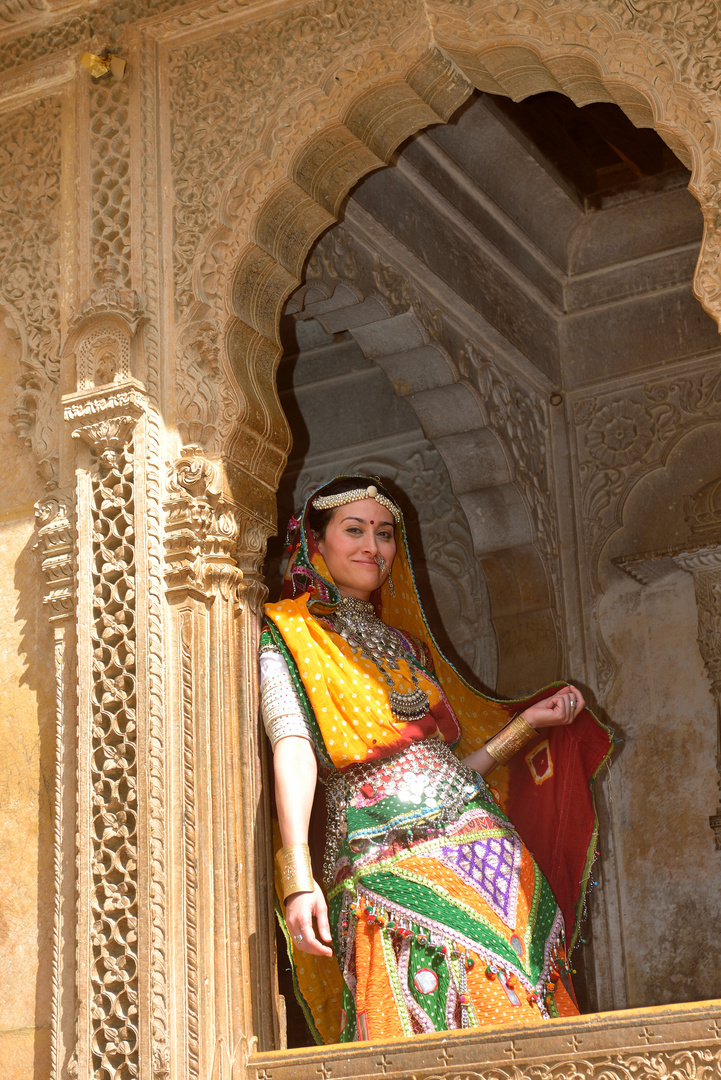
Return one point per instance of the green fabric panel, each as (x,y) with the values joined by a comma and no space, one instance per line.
(349,1031)
(392,813)
(434,1004)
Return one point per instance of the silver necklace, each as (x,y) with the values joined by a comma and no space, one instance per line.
(368,636)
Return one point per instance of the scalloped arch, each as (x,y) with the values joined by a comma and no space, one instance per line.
(516,50)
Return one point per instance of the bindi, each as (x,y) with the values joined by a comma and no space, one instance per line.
(372,521)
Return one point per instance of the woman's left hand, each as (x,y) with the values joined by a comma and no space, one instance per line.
(561,708)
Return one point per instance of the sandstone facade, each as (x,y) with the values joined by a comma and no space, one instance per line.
(540,380)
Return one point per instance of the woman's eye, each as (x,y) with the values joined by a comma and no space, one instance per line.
(384,536)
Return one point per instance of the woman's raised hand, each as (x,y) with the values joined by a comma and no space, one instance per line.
(300,911)
(561,708)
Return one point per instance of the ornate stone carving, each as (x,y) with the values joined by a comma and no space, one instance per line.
(519,417)
(51,38)
(12,11)
(206,403)
(508,1060)
(110,182)
(205,147)
(620,436)
(56,542)
(103,335)
(185,632)
(202,529)
(154,467)
(113,752)
(29,267)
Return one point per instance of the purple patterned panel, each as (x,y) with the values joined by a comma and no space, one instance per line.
(492,867)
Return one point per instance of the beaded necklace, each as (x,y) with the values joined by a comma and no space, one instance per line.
(368,636)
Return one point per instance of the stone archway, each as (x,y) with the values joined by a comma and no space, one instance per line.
(572,53)
(292,191)
(232,143)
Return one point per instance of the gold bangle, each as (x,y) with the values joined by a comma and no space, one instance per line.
(506,743)
(296,872)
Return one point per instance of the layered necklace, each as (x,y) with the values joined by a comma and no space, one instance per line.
(368,636)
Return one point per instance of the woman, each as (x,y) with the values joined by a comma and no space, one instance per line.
(429,912)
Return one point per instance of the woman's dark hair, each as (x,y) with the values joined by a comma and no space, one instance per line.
(318,519)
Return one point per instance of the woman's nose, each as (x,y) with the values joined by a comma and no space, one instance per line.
(371,544)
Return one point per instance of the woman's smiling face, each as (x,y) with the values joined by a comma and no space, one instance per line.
(356,534)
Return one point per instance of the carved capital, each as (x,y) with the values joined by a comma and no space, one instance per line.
(202,529)
(56,544)
(107,436)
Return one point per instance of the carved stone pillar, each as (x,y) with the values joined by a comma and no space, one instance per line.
(56,544)
(221,842)
(112,738)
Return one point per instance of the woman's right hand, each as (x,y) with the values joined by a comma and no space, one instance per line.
(301,909)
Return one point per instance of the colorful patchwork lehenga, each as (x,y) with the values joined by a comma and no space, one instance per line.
(441,917)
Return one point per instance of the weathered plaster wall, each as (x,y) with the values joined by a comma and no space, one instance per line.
(662,788)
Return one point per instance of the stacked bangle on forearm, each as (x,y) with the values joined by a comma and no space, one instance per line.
(506,743)
(296,872)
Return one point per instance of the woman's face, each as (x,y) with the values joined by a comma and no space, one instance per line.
(356,534)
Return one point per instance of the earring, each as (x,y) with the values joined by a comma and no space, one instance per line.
(383,565)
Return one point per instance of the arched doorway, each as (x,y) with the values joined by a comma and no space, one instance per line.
(286,206)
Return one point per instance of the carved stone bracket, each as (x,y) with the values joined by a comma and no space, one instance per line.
(56,543)
(202,530)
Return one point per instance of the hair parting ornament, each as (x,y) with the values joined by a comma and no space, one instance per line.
(330,502)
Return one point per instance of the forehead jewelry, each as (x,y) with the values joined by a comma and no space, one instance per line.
(330,502)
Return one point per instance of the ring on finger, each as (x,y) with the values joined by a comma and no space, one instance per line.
(572,703)
(297,938)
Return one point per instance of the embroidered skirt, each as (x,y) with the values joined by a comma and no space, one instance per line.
(440,917)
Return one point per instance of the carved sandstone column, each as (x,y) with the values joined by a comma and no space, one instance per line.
(56,545)
(213,551)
